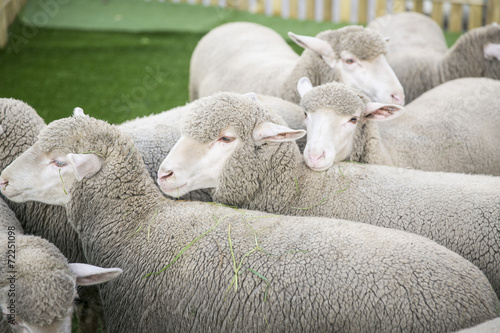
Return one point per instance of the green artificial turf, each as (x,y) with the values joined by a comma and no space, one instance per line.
(116,59)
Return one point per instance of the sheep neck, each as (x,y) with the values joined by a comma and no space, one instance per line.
(368,146)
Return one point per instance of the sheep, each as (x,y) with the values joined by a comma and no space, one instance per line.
(246,155)
(247,57)
(194,266)
(19,127)
(491,326)
(421,67)
(155,135)
(453,128)
(37,285)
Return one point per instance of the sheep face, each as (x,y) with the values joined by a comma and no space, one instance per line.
(46,176)
(333,113)
(193,165)
(330,137)
(43,287)
(358,56)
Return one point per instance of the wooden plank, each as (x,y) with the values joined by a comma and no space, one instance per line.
(418,6)
(310,9)
(363,11)
(455,21)
(381,8)
(242,4)
(276,7)
(493,11)
(437,14)
(345,11)
(327,10)
(398,6)
(259,8)
(294,9)
(475,17)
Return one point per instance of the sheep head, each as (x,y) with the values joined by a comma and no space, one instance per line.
(358,56)
(333,113)
(222,133)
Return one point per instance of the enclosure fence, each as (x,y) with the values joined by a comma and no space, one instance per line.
(452,15)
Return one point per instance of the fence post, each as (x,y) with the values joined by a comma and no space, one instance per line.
(493,11)
(381,8)
(475,16)
(363,11)
(437,13)
(345,11)
(327,10)
(455,18)
(418,6)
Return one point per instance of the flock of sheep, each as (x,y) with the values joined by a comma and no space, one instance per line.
(385,218)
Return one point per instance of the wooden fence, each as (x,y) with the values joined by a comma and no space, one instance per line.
(453,15)
(8,12)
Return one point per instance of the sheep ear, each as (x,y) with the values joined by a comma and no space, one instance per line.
(304,86)
(85,165)
(270,132)
(380,111)
(78,112)
(320,46)
(251,95)
(87,275)
(491,51)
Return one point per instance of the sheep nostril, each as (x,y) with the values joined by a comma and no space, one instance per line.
(398,99)
(167,175)
(4,183)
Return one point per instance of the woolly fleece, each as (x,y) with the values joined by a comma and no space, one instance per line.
(461,212)
(419,70)
(326,275)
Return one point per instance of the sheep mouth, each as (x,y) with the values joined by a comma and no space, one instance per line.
(173,190)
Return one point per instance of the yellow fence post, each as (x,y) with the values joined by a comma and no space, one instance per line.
(363,11)
(3,27)
(475,16)
(437,13)
(345,11)
(381,8)
(310,9)
(398,6)
(455,18)
(418,6)
(493,11)
(277,7)
(327,10)
(294,9)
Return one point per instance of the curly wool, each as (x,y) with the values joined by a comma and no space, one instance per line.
(420,68)
(143,232)
(345,101)
(274,178)
(45,285)
(363,43)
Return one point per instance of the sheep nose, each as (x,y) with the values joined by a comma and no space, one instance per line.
(3,183)
(314,158)
(398,99)
(164,175)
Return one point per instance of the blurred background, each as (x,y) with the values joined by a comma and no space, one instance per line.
(120,59)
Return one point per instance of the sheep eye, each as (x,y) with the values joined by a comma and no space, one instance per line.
(349,61)
(60,164)
(353,120)
(226,139)
(305,114)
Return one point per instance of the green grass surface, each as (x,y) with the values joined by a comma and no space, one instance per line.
(115,59)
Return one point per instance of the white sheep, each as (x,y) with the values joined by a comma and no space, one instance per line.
(421,66)
(224,270)
(247,57)
(19,127)
(242,151)
(453,128)
(37,285)
(491,326)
